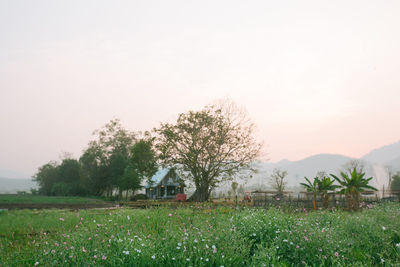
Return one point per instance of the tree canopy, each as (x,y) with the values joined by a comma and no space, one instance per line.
(208,146)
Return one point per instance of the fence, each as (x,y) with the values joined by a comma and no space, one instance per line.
(304,200)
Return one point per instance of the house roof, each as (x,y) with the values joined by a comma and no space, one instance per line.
(158,176)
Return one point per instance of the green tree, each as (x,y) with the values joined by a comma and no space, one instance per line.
(208,146)
(142,164)
(312,187)
(69,175)
(117,164)
(103,160)
(352,185)
(46,177)
(325,184)
(93,172)
(395,185)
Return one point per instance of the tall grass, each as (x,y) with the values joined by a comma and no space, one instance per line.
(201,236)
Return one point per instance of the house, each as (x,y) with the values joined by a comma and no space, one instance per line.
(164,184)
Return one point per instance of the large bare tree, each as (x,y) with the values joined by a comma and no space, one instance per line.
(209,146)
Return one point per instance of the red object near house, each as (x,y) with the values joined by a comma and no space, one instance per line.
(180,197)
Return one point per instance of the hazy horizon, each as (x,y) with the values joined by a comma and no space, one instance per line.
(315,76)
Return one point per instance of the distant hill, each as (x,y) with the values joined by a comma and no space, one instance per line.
(384,155)
(330,163)
(11,186)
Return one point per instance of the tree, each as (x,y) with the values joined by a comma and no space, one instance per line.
(46,177)
(352,186)
(69,176)
(142,164)
(395,185)
(277,180)
(105,159)
(208,146)
(325,184)
(312,187)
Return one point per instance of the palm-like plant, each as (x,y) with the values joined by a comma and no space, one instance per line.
(325,184)
(312,187)
(352,185)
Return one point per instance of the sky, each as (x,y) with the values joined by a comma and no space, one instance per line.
(315,76)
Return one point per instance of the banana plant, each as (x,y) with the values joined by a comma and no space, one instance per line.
(325,184)
(352,185)
(312,187)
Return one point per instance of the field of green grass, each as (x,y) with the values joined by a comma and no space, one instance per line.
(12,199)
(201,236)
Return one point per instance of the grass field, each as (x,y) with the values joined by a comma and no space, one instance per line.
(12,199)
(200,236)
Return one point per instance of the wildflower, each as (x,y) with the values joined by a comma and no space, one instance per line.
(153,257)
(94,256)
(398,245)
(36,263)
(104,257)
(187,259)
(128,217)
(336,254)
(62,219)
(83,249)
(173,259)
(89,238)
(383,228)
(126,252)
(170,215)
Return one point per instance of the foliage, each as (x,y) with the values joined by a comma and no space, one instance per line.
(46,177)
(208,146)
(105,159)
(117,159)
(200,236)
(352,185)
(142,164)
(277,180)
(325,184)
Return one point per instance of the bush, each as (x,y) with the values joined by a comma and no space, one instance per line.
(139,197)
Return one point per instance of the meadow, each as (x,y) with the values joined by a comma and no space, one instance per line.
(201,236)
(14,199)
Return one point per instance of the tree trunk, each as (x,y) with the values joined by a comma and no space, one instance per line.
(200,195)
(314,202)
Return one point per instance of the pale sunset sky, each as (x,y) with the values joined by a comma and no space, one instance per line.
(315,76)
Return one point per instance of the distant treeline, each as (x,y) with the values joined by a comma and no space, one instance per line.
(118,160)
